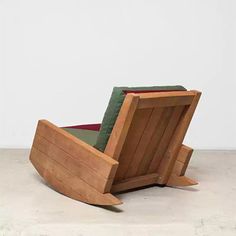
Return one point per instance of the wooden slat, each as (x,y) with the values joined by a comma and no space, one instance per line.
(165,99)
(94,159)
(155,139)
(68,184)
(74,165)
(182,161)
(134,182)
(143,144)
(167,94)
(121,127)
(178,168)
(185,154)
(168,161)
(134,135)
(165,139)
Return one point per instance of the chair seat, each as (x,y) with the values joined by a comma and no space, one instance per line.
(86,135)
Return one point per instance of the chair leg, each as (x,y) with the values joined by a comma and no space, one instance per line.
(180,181)
(177,177)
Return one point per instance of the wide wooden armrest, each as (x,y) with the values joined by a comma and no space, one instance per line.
(73,167)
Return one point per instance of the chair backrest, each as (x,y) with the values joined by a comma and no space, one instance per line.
(149,132)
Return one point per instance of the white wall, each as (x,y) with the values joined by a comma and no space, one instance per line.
(53,50)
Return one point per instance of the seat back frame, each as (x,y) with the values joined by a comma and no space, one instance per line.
(147,137)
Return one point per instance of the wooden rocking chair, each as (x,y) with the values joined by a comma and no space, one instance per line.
(144,148)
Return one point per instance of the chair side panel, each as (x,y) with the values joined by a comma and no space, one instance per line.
(80,159)
(67,183)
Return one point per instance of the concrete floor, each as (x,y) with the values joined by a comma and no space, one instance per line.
(29,207)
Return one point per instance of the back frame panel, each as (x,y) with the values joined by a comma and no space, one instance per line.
(147,137)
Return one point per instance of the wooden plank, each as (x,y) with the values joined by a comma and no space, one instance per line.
(184,157)
(121,127)
(165,139)
(166,99)
(94,159)
(143,144)
(167,94)
(156,138)
(170,156)
(68,184)
(134,182)
(180,181)
(178,168)
(184,154)
(134,135)
(74,165)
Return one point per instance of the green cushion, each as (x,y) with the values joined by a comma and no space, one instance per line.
(88,136)
(112,111)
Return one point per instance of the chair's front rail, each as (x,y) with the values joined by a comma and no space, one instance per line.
(147,138)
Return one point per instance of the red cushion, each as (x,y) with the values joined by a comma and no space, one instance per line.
(95,127)
(148,91)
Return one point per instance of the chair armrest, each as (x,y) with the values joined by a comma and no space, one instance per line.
(89,164)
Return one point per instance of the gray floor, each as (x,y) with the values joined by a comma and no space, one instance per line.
(29,207)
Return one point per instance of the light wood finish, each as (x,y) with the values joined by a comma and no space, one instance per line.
(67,183)
(182,161)
(131,157)
(177,178)
(143,156)
(165,138)
(180,181)
(55,153)
(165,99)
(145,147)
(185,153)
(144,144)
(159,130)
(121,127)
(134,135)
(154,150)
(135,182)
(71,163)
(94,159)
